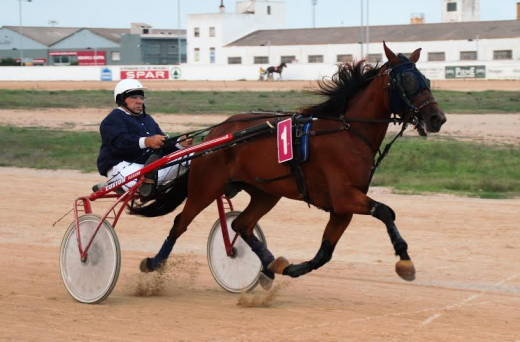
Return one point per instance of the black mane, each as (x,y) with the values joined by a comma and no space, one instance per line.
(339,89)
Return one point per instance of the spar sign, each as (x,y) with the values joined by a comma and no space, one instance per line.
(145,73)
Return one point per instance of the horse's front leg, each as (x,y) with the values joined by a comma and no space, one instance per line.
(355,201)
(333,232)
(404,267)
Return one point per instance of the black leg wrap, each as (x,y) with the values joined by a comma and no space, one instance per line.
(322,257)
(387,215)
(295,271)
(383,212)
(262,252)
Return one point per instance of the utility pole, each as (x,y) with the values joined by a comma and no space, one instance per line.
(179,31)
(361,31)
(368,30)
(21,31)
(314,2)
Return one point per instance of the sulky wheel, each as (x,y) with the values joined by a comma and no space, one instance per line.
(239,272)
(92,280)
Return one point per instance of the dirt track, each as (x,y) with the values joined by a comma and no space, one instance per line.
(465,251)
(460,85)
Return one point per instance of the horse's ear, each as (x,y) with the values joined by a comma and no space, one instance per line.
(414,57)
(392,58)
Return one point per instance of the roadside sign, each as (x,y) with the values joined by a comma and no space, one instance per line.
(175,73)
(106,74)
(475,71)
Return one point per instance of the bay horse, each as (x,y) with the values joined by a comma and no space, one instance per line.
(351,125)
(272,69)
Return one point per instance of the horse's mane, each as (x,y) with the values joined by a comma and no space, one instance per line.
(339,89)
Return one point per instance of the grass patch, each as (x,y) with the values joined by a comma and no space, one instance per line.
(481,102)
(462,168)
(214,102)
(414,165)
(48,149)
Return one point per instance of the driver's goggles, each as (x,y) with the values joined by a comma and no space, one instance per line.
(137,97)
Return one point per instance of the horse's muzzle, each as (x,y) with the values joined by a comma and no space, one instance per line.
(435,122)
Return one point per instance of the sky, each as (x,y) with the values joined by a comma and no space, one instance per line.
(164,13)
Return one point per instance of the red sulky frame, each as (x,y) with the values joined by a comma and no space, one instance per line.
(84,201)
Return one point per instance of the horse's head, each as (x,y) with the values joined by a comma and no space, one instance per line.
(410,93)
(283,65)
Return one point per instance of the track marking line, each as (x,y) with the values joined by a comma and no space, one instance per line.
(463,302)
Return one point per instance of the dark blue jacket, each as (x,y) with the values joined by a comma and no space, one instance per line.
(120,134)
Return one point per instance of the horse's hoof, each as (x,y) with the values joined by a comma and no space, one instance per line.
(265,281)
(278,265)
(405,269)
(144,266)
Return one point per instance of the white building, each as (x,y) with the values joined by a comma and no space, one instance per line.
(460,10)
(207,34)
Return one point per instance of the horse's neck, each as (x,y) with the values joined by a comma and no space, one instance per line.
(371,104)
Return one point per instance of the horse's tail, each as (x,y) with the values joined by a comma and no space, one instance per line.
(166,201)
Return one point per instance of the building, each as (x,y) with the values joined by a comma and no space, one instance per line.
(141,44)
(208,34)
(460,10)
(461,41)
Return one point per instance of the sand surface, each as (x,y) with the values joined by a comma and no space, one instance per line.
(465,251)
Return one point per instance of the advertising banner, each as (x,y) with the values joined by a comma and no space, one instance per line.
(476,71)
(145,73)
(91,57)
(84,57)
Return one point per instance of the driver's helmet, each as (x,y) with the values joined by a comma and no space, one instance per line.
(127,88)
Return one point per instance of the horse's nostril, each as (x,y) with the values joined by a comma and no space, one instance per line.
(436,122)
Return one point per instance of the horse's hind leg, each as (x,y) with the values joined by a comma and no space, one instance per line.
(260,204)
(200,196)
(333,232)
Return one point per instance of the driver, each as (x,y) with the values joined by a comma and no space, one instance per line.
(128,138)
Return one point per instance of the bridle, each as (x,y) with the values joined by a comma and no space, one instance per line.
(405,83)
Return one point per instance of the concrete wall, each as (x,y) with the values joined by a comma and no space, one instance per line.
(298,71)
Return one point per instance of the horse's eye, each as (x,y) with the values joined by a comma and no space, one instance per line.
(409,83)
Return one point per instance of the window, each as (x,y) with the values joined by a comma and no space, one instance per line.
(196,32)
(153,49)
(212,55)
(375,57)
(196,54)
(64,60)
(116,56)
(172,50)
(212,32)
(436,56)
(468,55)
(315,58)
(344,58)
(268,10)
(287,59)
(452,7)
(503,54)
(261,60)
(234,60)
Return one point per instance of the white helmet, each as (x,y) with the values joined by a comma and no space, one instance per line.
(126,86)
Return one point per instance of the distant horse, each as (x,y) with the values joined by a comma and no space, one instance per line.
(352,123)
(272,69)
